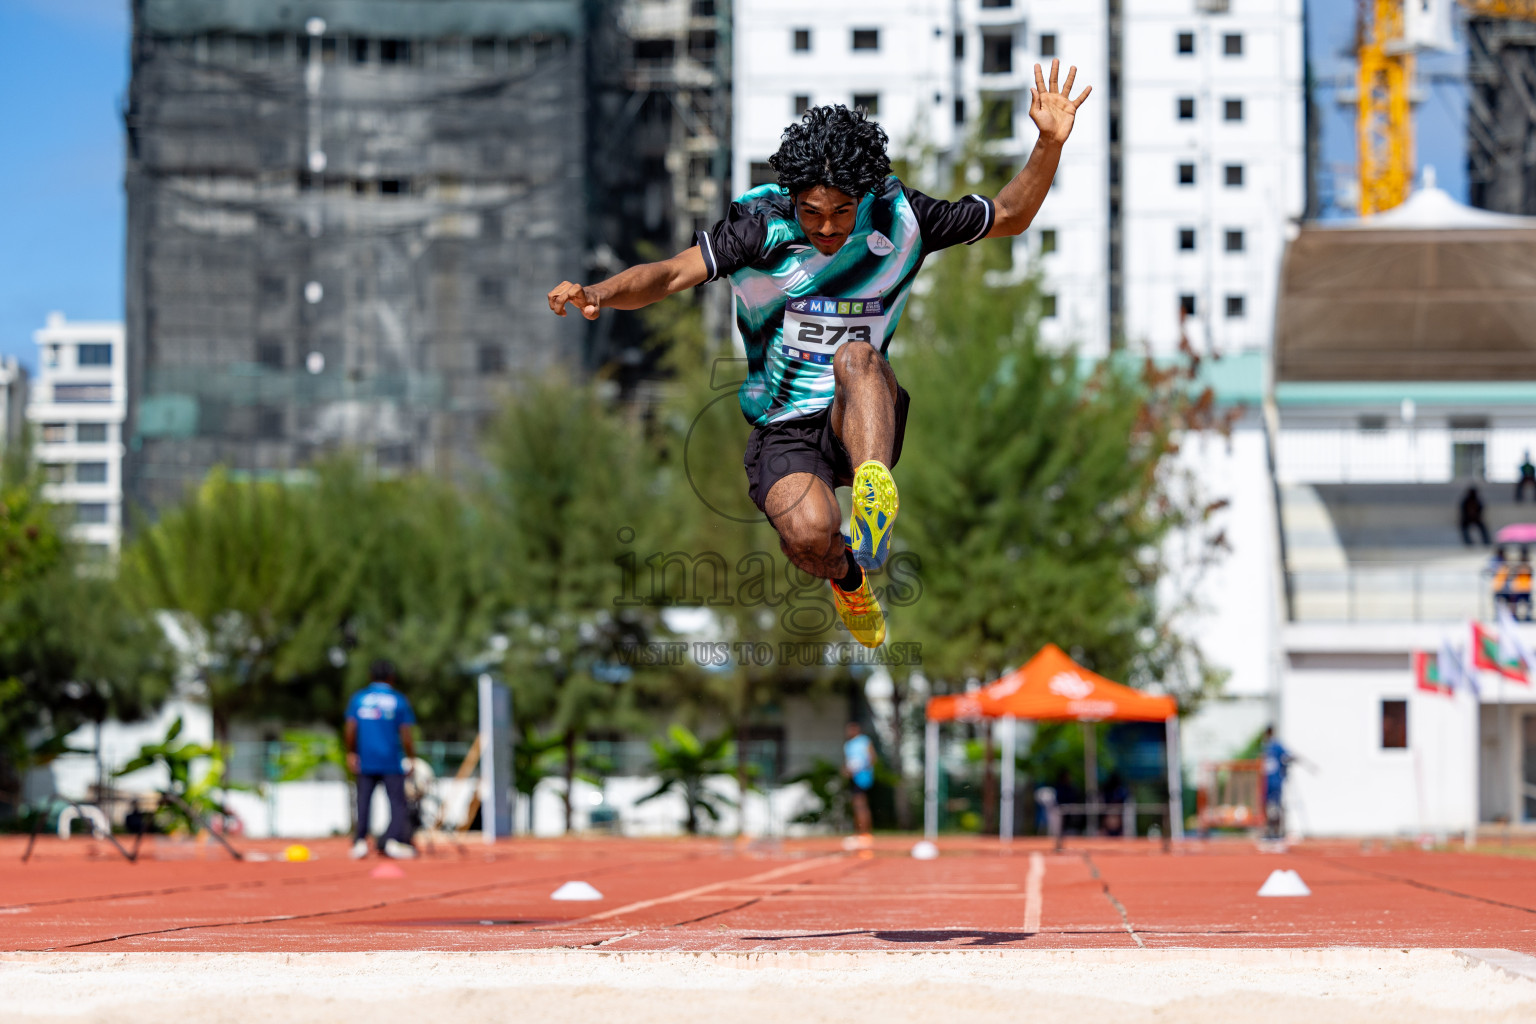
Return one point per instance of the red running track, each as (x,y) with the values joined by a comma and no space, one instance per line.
(709,895)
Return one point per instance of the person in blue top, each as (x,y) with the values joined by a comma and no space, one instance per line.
(859,767)
(822,263)
(1277,762)
(379,740)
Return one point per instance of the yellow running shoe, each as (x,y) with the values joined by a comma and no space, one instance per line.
(861,613)
(874,514)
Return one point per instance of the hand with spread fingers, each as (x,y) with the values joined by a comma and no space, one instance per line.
(1053,109)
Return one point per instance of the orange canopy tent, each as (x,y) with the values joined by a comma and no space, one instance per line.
(1052,687)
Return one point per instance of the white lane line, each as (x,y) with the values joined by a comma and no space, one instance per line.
(688,894)
(1033,884)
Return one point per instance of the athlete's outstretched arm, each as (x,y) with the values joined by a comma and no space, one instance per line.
(1053,111)
(638,286)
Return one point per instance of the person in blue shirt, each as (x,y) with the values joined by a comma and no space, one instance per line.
(859,767)
(379,739)
(1277,761)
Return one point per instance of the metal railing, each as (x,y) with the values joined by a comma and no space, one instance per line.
(1395,593)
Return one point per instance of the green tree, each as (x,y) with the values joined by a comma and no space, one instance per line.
(1036,490)
(685,764)
(288,590)
(567,494)
(71,650)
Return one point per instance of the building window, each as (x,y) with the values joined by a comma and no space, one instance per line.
(1234,175)
(869,102)
(91,433)
(270,354)
(55,433)
(1047,241)
(1186,43)
(996,3)
(802,40)
(94,354)
(1047,306)
(493,291)
(959,110)
(1186,304)
(53,473)
(1394,725)
(1186,108)
(90,472)
(493,359)
(1235,242)
(72,393)
(1372,424)
(997,117)
(273,287)
(1186,239)
(996,53)
(761,172)
(802,104)
(959,45)
(482,53)
(1232,44)
(866,39)
(1047,44)
(1186,174)
(1233,110)
(394,51)
(1469,460)
(359,49)
(394,187)
(52,356)
(90,512)
(1236,307)
(269,424)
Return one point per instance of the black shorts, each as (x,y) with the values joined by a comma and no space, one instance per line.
(807,445)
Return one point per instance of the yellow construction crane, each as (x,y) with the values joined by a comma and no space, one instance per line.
(1515,10)
(1384,123)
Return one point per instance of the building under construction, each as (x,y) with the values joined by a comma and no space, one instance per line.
(1501,104)
(344,215)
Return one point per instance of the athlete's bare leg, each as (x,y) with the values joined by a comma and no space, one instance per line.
(864,410)
(805,512)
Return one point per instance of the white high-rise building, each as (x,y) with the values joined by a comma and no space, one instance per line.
(78,404)
(1213,168)
(1185,169)
(13,400)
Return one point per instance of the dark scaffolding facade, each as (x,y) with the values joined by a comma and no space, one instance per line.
(1501,114)
(343,216)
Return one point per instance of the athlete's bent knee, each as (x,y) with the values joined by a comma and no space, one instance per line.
(855,357)
(810,543)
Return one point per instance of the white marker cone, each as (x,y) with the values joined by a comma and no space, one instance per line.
(1284,883)
(924,850)
(576,891)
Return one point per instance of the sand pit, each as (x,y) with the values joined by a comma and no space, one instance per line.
(1081,986)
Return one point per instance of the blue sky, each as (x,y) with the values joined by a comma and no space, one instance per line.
(63,75)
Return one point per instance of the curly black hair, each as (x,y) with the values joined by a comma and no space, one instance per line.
(832,146)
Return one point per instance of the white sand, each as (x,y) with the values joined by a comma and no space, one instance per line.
(1080,987)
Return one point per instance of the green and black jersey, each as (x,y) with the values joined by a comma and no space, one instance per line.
(795,307)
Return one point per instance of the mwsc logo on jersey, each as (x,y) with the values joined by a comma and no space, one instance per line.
(880,245)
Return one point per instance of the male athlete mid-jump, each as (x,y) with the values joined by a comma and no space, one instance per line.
(821,265)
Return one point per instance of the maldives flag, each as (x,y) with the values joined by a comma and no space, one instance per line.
(1485,654)
(1426,673)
